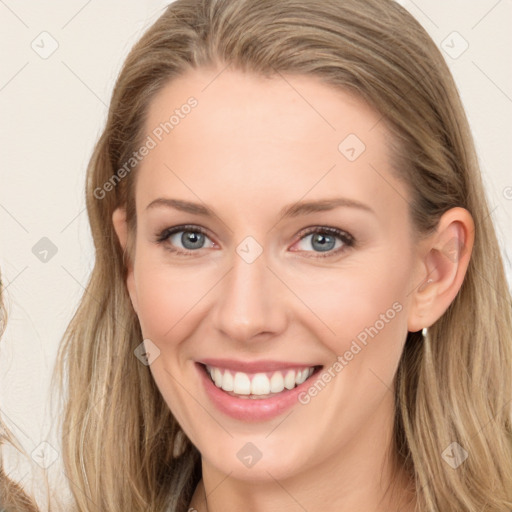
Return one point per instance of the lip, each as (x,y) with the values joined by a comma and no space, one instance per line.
(247,409)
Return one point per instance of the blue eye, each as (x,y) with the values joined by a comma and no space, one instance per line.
(325,240)
(191,238)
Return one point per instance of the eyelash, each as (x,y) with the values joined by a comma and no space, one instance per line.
(347,239)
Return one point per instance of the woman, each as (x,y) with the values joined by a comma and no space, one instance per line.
(298,297)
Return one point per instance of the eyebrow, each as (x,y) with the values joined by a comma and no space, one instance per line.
(293,210)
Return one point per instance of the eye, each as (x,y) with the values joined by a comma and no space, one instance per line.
(184,240)
(326,240)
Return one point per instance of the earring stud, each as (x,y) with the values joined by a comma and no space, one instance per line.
(424,332)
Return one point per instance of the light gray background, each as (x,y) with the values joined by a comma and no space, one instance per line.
(52,112)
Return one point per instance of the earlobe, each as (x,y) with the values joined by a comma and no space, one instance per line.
(444,263)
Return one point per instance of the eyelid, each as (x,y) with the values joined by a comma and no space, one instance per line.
(347,239)
(167,232)
(326,229)
(163,236)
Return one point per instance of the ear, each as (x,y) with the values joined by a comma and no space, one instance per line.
(121,228)
(444,259)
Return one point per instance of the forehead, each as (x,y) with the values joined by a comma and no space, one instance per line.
(280,137)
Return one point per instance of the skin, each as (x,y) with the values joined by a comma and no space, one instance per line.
(252,146)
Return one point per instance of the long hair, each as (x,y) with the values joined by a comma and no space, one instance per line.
(119,437)
(12,496)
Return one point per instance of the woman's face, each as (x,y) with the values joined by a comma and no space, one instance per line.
(272,242)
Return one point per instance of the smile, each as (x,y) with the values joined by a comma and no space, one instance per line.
(258,385)
(254,391)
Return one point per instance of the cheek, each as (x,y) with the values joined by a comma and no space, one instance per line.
(363,303)
(169,297)
(359,311)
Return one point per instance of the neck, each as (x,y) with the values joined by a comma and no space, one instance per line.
(363,475)
(259,498)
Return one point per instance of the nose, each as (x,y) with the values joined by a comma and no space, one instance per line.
(251,302)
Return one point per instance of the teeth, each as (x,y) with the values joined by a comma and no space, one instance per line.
(277,383)
(228,383)
(217,377)
(260,384)
(289,380)
(242,384)
(302,375)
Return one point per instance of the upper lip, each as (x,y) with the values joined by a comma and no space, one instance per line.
(253,366)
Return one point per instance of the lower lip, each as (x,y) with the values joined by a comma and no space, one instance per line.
(248,409)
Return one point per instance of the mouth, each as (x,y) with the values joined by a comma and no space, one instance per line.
(255,391)
(259,385)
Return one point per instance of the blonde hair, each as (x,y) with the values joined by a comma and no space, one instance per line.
(12,497)
(454,387)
